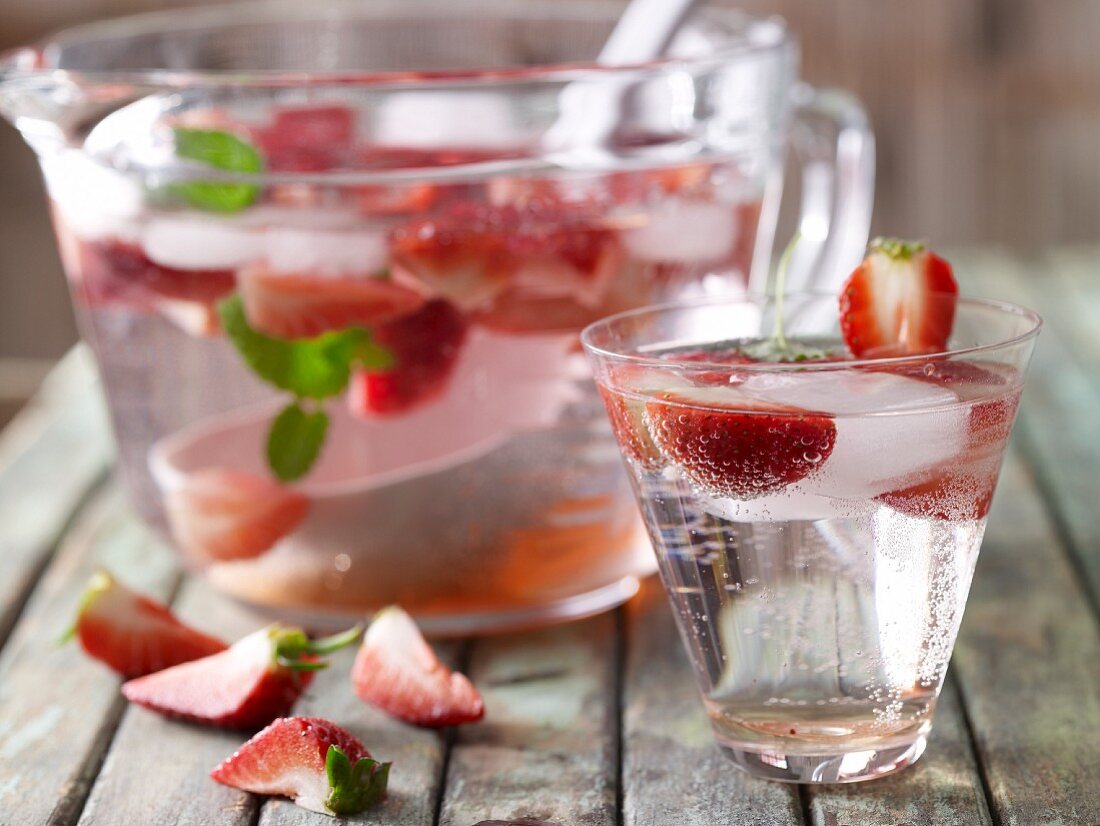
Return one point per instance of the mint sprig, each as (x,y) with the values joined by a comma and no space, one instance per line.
(311,369)
(779,348)
(220,150)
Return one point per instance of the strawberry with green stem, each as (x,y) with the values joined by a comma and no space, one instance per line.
(133,634)
(316,763)
(255,680)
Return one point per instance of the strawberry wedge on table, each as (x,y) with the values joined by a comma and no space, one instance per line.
(248,685)
(133,634)
(316,763)
(397,671)
(900,301)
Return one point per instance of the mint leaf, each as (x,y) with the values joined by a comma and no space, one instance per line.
(312,368)
(294,441)
(220,150)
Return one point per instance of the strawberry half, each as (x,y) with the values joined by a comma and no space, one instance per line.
(306,305)
(220,514)
(397,671)
(317,764)
(425,347)
(737,446)
(248,685)
(899,301)
(133,634)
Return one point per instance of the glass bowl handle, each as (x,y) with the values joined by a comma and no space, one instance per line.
(832,142)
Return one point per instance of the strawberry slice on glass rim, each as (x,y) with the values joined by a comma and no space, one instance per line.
(899,301)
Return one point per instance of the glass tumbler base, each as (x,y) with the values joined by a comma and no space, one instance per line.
(842,767)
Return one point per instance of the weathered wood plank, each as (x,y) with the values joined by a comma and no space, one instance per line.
(1057,427)
(944,787)
(672,770)
(547,747)
(156,770)
(51,456)
(417,754)
(1028,666)
(58,708)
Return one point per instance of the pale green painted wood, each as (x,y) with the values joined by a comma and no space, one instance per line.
(51,456)
(944,787)
(157,769)
(1058,418)
(547,746)
(673,773)
(1028,666)
(58,708)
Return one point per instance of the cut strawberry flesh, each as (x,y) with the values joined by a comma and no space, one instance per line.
(425,346)
(397,671)
(242,687)
(306,305)
(899,301)
(289,758)
(135,635)
(220,514)
(736,446)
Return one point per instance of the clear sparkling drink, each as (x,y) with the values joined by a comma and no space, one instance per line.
(816,529)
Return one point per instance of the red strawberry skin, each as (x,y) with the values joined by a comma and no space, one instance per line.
(425,345)
(289,758)
(899,301)
(242,687)
(396,671)
(738,453)
(135,635)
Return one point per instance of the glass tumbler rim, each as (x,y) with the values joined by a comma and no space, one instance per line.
(30,63)
(598,351)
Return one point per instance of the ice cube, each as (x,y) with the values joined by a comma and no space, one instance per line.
(888,427)
(684,231)
(294,250)
(192,243)
(790,504)
(95,202)
(446,119)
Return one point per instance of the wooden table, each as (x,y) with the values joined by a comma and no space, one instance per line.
(596,722)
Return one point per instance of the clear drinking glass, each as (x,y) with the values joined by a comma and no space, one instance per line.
(231,184)
(818,577)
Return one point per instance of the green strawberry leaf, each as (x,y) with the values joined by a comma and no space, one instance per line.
(294,441)
(311,368)
(220,150)
(353,788)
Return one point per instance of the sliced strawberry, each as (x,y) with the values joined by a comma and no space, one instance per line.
(220,514)
(628,422)
(397,671)
(306,305)
(899,301)
(307,139)
(737,446)
(118,271)
(963,489)
(133,634)
(474,254)
(425,347)
(248,685)
(316,763)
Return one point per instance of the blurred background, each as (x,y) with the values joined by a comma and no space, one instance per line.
(986,112)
